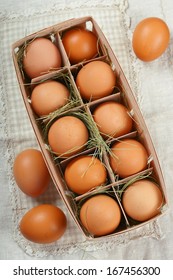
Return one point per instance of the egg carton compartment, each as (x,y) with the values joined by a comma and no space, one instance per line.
(91,48)
(134,182)
(121,226)
(128,156)
(112,116)
(83,110)
(85,172)
(50,61)
(66,93)
(95,79)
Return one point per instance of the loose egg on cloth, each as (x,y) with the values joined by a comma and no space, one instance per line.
(80,44)
(95,80)
(31,173)
(40,57)
(84,173)
(100,215)
(112,119)
(128,157)
(142,200)
(67,136)
(43,224)
(150,38)
(49,96)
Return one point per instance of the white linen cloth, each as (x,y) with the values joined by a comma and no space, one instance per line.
(152,84)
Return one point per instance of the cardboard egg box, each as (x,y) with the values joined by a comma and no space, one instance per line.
(122,94)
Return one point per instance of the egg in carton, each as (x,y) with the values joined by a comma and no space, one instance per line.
(75,74)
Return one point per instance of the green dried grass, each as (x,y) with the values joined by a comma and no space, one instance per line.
(21,53)
(95,139)
(133,180)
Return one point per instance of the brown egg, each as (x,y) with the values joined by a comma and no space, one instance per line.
(129,157)
(100,215)
(112,119)
(31,173)
(67,136)
(45,223)
(49,96)
(84,173)
(150,38)
(80,44)
(95,80)
(142,200)
(41,56)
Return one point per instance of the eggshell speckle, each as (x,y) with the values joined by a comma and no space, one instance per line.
(142,200)
(100,215)
(84,173)
(44,223)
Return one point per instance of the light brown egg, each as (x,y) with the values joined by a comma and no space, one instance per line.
(112,119)
(31,173)
(67,136)
(129,157)
(43,224)
(84,173)
(150,38)
(95,80)
(80,44)
(40,57)
(100,215)
(142,200)
(48,97)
